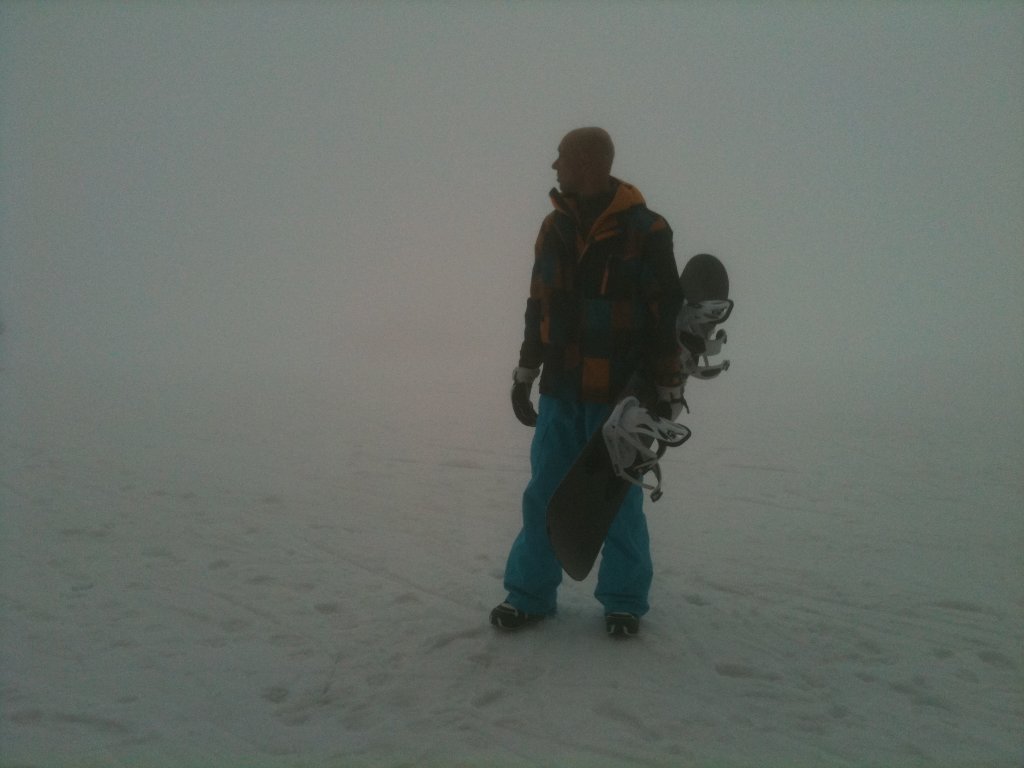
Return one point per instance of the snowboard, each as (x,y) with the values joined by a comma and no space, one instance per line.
(585,503)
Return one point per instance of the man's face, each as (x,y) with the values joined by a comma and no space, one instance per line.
(568,168)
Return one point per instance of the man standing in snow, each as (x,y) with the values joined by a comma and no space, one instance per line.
(604,296)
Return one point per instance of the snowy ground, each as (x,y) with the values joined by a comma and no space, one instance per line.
(275,573)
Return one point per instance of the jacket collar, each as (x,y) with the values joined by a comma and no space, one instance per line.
(626,196)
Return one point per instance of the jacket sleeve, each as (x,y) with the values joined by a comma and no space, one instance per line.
(664,299)
(531,353)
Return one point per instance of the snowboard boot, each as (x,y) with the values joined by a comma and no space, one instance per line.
(505,616)
(622,624)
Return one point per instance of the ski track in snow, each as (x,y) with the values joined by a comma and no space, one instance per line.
(224,582)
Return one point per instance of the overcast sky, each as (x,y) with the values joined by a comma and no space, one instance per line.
(335,184)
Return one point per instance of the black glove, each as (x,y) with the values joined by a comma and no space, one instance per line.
(522,384)
(670,403)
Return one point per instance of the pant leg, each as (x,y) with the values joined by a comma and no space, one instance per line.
(626,572)
(532,572)
(624,578)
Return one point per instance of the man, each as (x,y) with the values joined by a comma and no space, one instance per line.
(604,295)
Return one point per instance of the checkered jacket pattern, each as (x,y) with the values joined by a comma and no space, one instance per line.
(603,303)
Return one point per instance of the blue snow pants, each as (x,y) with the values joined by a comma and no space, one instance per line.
(532,573)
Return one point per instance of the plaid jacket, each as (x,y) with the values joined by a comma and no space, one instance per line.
(603,303)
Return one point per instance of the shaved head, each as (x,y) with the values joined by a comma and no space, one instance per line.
(584,161)
(593,144)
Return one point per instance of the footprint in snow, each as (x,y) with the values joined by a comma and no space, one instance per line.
(488,698)
(744,671)
(442,641)
(275,694)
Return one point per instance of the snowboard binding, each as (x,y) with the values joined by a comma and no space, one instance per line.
(630,434)
(696,328)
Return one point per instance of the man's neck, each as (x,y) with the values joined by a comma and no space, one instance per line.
(600,189)
(590,207)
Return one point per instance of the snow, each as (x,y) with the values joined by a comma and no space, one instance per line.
(296,571)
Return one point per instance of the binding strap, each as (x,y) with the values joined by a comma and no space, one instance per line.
(629,434)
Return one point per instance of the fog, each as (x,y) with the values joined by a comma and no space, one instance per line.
(329,189)
(263,268)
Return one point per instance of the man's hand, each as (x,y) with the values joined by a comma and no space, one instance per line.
(671,402)
(522,384)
